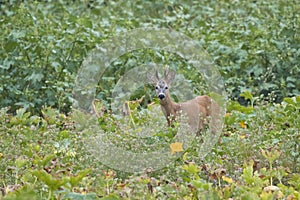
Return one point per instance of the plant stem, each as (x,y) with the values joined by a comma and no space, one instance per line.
(271,179)
(131,118)
(50,195)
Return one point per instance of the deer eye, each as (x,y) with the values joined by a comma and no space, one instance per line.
(166,87)
(156,87)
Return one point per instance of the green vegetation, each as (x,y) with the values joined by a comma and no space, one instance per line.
(256,47)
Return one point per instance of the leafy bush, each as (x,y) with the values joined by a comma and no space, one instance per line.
(255,45)
(257,157)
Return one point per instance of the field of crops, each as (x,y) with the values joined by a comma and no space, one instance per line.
(49,151)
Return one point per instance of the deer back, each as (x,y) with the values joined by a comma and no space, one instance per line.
(197,110)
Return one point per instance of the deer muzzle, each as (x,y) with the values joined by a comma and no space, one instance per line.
(161,96)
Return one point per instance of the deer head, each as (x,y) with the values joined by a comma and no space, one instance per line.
(162,84)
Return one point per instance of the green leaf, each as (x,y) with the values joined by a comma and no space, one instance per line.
(200,184)
(74,180)
(49,180)
(46,160)
(20,162)
(191,168)
(247,95)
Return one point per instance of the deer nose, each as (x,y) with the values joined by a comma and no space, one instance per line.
(161,96)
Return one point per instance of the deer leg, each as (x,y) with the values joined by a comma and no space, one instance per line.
(171,119)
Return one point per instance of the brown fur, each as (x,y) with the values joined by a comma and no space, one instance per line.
(197,110)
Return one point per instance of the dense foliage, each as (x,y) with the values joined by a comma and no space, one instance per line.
(254,44)
(257,157)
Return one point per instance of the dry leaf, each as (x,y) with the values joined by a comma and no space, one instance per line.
(98,108)
(243,125)
(227,179)
(129,106)
(176,147)
(243,135)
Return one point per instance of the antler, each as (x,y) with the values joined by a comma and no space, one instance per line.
(156,72)
(166,72)
(153,78)
(169,75)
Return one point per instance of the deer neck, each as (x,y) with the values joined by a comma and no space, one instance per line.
(168,106)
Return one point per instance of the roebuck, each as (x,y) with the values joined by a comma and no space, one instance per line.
(197,110)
